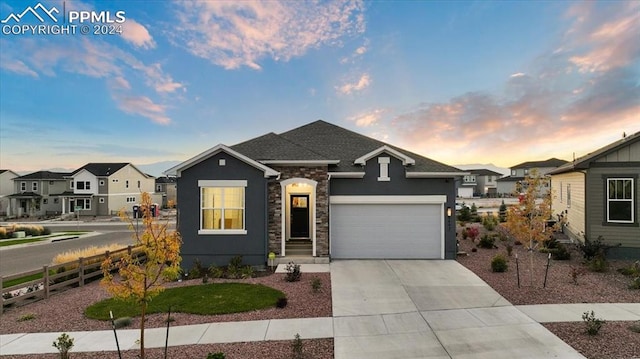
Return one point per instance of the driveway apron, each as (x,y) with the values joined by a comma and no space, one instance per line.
(429,309)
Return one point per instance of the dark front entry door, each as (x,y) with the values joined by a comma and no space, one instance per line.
(299,216)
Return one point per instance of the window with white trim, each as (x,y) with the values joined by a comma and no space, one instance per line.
(384,169)
(34,186)
(101,183)
(159,188)
(620,200)
(138,184)
(83,203)
(131,199)
(126,184)
(101,200)
(222,206)
(23,186)
(83,185)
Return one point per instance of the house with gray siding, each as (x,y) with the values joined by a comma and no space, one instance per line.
(6,189)
(506,186)
(315,192)
(37,194)
(597,194)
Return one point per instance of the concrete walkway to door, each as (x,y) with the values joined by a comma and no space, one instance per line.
(429,309)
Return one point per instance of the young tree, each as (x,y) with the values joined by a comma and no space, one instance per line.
(141,280)
(527,221)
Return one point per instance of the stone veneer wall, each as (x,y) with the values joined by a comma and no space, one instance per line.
(318,174)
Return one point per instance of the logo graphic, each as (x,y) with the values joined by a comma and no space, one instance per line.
(34,12)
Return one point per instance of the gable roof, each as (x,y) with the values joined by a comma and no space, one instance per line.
(177,169)
(44,175)
(484,172)
(584,161)
(102,169)
(551,162)
(338,146)
(166,179)
(4,171)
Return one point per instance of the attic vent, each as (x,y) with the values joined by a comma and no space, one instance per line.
(222,162)
(384,169)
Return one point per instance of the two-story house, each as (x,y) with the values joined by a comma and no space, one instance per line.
(486,182)
(103,189)
(37,194)
(6,189)
(466,186)
(167,187)
(507,185)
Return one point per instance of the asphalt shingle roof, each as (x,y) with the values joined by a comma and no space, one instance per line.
(551,162)
(321,140)
(101,169)
(44,175)
(484,172)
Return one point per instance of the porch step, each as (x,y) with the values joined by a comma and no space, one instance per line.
(301,259)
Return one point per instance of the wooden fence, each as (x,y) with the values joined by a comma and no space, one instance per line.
(58,277)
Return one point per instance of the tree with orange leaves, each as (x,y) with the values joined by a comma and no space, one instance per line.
(528,220)
(141,280)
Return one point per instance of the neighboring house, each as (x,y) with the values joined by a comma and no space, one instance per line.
(6,189)
(487,182)
(466,186)
(598,195)
(37,194)
(103,189)
(508,185)
(318,190)
(167,187)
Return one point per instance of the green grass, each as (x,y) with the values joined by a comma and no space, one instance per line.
(11,242)
(208,299)
(13,282)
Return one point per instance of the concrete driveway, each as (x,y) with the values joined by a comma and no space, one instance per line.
(429,309)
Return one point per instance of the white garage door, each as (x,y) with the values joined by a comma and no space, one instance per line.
(392,230)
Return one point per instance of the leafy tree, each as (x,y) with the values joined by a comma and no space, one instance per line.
(141,280)
(527,221)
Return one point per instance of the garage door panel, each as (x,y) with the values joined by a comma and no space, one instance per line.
(386,231)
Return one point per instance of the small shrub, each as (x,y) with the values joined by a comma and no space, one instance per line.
(633,270)
(64,343)
(235,267)
(247,272)
(122,322)
(490,222)
(592,323)
(499,263)
(598,264)
(502,212)
(465,234)
(281,302)
(293,272)
(635,283)
(198,270)
(297,347)
(635,327)
(474,213)
(316,284)
(215,272)
(560,253)
(170,319)
(26,317)
(591,249)
(509,249)
(486,241)
(473,232)
(464,215)
(575,273)
(218,355)
(205,278)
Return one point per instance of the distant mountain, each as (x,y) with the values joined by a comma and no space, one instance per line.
(489,166)
(155,169)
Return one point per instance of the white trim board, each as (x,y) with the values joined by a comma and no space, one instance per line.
(406,160)
(426,199)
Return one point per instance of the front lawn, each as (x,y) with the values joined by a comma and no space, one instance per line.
(209,299)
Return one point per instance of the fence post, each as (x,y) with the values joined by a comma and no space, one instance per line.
(45,279)
(81,271)
(129,249)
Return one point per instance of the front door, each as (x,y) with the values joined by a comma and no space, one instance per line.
(299,216)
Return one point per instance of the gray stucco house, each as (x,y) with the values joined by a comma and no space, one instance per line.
(317,191)
(598,196)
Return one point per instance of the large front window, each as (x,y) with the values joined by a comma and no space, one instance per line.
(620,203)
(222,207)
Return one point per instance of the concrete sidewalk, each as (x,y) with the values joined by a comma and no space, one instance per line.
(463,323)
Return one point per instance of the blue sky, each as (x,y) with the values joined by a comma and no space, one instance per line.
(457,81)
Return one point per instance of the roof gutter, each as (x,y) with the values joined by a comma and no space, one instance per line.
(299,162)
(436,174)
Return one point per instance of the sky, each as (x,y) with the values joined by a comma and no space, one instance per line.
(459,82)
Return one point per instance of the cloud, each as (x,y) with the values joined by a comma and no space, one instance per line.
(137,34)
(18,67)
(233,34)
(586,85)
(356,53)
(367,119)
(143,106)
(362,83)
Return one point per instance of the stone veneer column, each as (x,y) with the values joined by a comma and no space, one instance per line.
(316,173)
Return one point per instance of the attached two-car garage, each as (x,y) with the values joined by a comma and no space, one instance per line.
(393,227)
